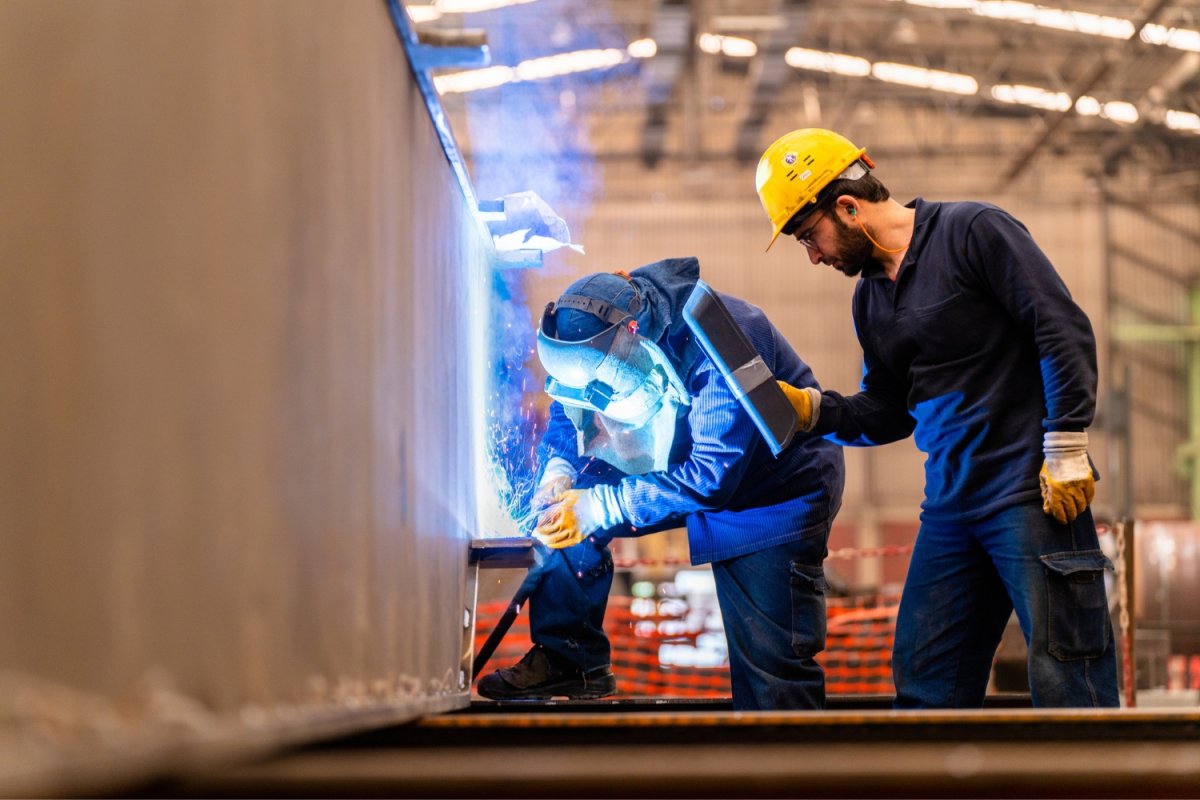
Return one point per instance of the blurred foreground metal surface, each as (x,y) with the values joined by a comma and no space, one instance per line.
(648,749)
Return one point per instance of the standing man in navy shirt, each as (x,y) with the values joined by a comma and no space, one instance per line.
(972,344)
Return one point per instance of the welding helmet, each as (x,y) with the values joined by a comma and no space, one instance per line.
(797,166)
(595,358)
(618,388)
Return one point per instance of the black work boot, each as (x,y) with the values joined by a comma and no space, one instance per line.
(540,675)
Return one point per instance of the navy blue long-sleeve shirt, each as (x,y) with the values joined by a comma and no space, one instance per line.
(735,496)
(978,349)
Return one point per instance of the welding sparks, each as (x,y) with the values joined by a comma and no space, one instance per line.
(512,428)
(511,466)
(524,102)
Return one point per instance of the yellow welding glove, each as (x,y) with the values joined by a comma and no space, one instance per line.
(557,478)
(805,402)
(579,514)
(1068,485)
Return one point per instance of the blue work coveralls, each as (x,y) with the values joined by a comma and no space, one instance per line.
(762,522)
(977,349)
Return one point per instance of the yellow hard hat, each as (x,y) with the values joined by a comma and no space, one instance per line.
(797,166)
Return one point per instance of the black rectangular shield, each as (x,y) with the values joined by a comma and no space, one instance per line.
(741,365)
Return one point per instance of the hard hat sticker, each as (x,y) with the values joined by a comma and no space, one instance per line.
(789,159)
(804,175)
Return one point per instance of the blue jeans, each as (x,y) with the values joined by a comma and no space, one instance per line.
(965,580)
(772,603)
(566,608)
(773,606)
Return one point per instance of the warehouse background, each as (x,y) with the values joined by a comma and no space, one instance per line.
(657,160)
(266,375)
(1080,119)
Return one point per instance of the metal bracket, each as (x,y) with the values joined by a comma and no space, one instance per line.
(426,57)
(510,552)
(507,552)
(519,259)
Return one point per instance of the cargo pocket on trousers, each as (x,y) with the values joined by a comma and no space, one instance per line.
(808,609)
(1077,606)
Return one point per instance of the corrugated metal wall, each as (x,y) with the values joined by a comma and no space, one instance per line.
(236,411)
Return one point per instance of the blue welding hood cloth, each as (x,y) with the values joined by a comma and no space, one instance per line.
(721,478)
(654,295)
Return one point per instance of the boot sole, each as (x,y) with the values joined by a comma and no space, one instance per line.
(571,691)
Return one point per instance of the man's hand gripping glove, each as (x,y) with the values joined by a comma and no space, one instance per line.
(805,402)
(579,514)
(558,477)
(1066,477)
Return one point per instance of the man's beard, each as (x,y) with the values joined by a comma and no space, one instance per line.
(853,248)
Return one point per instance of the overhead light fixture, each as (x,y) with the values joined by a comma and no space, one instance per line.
(474,6)
(709,43)
(1041,16)
(1056,18)
(905,74)
(567,63)
(1179,38)
(1087,106)
(642,48)
(1120,111)
(1065,20)
(1182,121)
(439,8)
(732,46)
(736,47)
(532,70)
(474,80)
(960,5)
(1115,110)
(822,61)
(423,13)
(1031,96)
(922,78)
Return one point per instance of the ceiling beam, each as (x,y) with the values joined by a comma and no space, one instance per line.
(767,77)
(672,31)
(1151,108)
(1089,81)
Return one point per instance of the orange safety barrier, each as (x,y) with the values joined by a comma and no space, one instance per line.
(857,658)
(636,639)
(858,644)
(840,553)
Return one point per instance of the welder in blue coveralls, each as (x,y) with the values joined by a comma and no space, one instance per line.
(971,343)
(645,434)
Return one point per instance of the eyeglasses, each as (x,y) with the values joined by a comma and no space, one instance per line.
(806,237)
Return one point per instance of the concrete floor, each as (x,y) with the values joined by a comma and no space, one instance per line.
(672,749)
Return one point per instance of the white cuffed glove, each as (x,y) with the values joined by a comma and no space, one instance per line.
(557,478)
(805,402)
(1066,476)
(579,514)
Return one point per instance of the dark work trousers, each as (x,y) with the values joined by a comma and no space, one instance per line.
(773,606)
(566,609)
(965,579)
